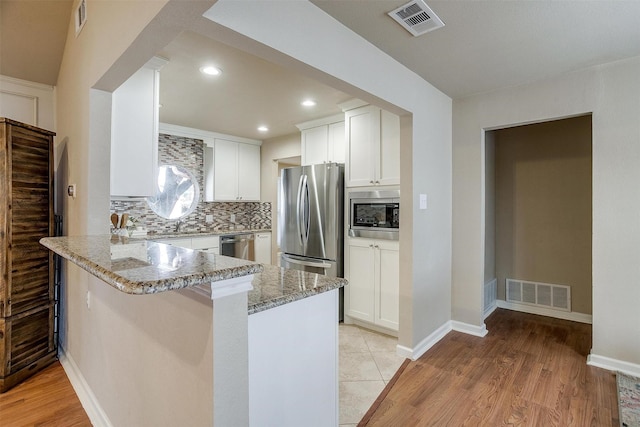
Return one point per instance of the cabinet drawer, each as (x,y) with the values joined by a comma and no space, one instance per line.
(208,242)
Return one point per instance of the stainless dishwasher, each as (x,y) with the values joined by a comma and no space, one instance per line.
(240,245)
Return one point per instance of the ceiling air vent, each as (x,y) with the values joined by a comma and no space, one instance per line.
(417,18)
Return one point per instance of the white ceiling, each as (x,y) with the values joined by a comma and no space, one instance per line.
(485,45)
(250,91)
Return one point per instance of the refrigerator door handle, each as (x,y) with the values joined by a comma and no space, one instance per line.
(318,264)
(306,211)
(299,211)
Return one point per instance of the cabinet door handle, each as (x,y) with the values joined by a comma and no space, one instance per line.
(377,247)
(371,246)
(370,182)
(377,182)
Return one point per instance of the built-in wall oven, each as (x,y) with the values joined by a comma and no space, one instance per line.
(374,214)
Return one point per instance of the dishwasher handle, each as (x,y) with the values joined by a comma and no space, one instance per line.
(236,239)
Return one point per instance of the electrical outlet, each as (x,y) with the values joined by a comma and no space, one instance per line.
(232,218)
(71,190)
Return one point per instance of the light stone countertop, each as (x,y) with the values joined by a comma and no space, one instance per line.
(140,266)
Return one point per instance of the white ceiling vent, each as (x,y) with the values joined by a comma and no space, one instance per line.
(417,18)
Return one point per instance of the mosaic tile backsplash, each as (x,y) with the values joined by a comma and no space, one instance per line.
(189,153)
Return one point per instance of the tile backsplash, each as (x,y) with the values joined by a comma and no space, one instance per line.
(189,153)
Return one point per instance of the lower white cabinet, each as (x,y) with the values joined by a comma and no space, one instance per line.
(209,244)
(372,268)
(262,247)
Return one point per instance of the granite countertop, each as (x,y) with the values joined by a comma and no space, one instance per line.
(141,266)
(276,286)
(186,233)
(138,266)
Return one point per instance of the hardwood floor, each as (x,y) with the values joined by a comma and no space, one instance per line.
(528,371)
(46,399)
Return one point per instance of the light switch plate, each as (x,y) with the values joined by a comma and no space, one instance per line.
(423,201)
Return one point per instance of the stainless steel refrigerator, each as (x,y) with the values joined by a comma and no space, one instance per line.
(311,219)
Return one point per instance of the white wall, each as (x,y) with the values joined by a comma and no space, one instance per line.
(611,93)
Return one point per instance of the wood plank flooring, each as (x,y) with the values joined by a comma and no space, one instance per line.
(46,399)
(528,371)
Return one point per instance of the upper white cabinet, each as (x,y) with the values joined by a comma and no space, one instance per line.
(231,164)
(323,140)
(134,133)
(373,147)
(236,171)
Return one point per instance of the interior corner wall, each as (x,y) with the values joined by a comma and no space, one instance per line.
(543,204)
(610,93)
(270,151)
(490,208)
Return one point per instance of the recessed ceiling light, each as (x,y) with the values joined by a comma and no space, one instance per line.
(263,128)
(211,71)
(308,103)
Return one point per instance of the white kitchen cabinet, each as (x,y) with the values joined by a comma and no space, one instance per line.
(372,269)
(262,247)
(236,171)
(134,133)
(323,141)
(373,147)
(180,242)
(210,244)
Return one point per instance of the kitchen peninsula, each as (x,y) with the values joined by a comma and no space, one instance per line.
(270,325)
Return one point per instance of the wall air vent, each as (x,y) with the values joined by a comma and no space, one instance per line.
(80,16)
(551,296)
(417,18)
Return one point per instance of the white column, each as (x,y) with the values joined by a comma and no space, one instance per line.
(231,352)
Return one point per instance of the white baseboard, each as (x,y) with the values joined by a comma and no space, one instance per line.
(478,331)
(490,310)
(565,315)
(613,364)
(425,344)
(88,400)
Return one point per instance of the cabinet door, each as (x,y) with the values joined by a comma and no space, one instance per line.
(362,129)
(360,272)
(387,286)
(248,172)
(134,135)
(389,154)
(337,143)
(315,145)
(263,248)
(225,170)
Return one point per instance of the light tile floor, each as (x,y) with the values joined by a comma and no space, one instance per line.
(368,360)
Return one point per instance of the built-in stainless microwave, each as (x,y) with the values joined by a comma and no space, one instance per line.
(374,214)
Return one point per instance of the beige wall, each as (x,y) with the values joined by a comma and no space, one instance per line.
(543,206)
(272,150)
(610,93)
(490,208)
